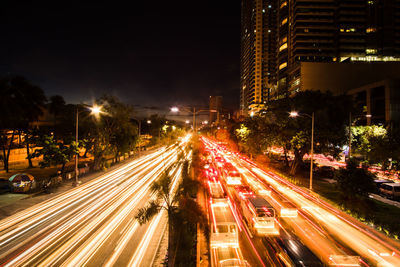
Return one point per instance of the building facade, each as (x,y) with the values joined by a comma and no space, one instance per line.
(278,36)
(333,31)
(258,57)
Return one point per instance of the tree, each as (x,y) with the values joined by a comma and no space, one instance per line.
(22,104)
(274,127)
(354,182)
(372,142)
(110,133)
(180,207)
(55,152)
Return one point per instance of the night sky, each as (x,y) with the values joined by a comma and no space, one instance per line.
(156,53)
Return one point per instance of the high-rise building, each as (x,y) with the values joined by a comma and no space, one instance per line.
(333,31)
(258,46)
(278,36)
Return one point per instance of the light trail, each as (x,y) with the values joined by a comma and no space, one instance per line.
(80,226)
(369,244)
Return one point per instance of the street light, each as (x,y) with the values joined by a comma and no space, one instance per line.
(139,130)
(95,110)
(194,112)
(296,114)
(175,109)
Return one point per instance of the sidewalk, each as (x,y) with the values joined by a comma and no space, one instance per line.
(385,200)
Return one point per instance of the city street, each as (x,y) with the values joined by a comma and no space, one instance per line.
(333,236)
(92,224)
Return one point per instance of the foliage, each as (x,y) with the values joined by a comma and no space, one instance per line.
(21,103)
(183,213)
(111,132)
(374,143)
(54,152)
(354,182)
(274,127)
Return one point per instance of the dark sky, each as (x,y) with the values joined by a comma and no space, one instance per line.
(151,53)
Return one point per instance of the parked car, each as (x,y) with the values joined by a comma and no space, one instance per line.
(379,183)
(390,190)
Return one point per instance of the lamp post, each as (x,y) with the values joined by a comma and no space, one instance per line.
(95,110)
(296,114)
(139,130)
(194,113)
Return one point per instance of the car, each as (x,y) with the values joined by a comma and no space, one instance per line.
(298,253)
(379,183)
(390,190)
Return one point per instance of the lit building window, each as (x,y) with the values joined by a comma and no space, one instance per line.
(368,30)
(284,46)
(269,6)
(371,51)
(283,4)
(283,65)
(263,10)
(284,21)
(374,58)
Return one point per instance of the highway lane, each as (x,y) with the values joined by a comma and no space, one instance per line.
(90,225)
(336,230)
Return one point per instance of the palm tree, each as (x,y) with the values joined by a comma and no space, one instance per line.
(179,205)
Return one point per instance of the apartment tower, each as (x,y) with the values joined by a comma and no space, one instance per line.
(258,53)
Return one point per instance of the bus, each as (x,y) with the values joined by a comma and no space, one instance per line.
(224,231)
(260,216)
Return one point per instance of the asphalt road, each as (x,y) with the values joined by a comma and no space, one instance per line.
(93,224)
(333,236)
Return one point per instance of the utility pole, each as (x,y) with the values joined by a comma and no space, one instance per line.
(312,150)
(350,135)
(77,154)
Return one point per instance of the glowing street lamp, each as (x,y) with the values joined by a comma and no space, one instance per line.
(194,112)
(174,109)
(294,114)
(148,121)
(187,121)
(96,111)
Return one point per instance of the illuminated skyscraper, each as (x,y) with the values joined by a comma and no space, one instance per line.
(280,38)
(258,47)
